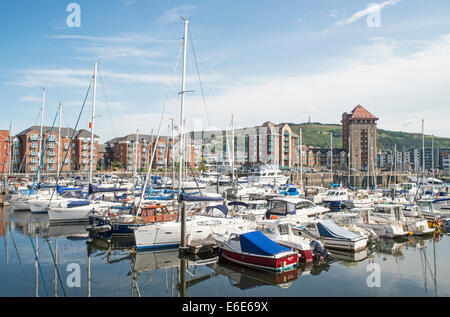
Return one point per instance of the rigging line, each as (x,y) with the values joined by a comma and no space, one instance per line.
(159,131)
(199,79)
(106,101)
(57,270)
(43,154)
(39,264)
(70,143)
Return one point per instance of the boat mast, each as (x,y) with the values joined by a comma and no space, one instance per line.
(92,123)
(59,138)
(423,149)
(232,151)
(11,147)
(331,156)
(301,158)
(183,210)
(432,154)
(40,135)
(182,106)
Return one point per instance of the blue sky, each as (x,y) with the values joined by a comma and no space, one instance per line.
(258,60)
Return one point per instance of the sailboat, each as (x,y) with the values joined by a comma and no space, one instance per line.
(212,221)
(79,210)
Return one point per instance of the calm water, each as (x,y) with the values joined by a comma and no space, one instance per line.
(412,267)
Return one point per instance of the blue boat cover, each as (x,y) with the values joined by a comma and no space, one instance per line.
(222,208)
(257,243)
(329,229)
(94,189)
(78,203)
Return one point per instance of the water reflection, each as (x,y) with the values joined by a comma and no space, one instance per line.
(39,253)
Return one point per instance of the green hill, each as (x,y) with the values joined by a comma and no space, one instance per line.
(318,134)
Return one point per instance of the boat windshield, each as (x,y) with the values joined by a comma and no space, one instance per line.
(304,204)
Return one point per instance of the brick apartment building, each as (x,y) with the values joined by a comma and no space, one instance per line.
(27,149)
(5,151)
(135,149)
(359,137)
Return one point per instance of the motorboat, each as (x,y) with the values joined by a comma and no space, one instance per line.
(256,250)
(384,224)
(280,231)
(361,200)
(270,175)
(335,198)
(331,235)
(416,225)
(316,193)
(351,221)
(211,221)
(294,208)
(251,210)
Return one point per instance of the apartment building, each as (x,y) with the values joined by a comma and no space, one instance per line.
(56,150)
(5,151)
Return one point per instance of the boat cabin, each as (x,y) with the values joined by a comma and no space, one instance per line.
(157,213)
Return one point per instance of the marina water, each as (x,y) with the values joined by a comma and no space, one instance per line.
(39,259)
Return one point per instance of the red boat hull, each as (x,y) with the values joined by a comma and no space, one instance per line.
(261,262)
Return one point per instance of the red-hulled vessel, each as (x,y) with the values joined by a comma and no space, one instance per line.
(256,250)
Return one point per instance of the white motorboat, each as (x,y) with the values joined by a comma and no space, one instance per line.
(293,208)
(281,232)
(269,175)
(385,225)
(335,198)
(350,221)
(331,235)
(252,210)
(212,221)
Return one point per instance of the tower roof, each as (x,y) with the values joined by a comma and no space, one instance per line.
(361,113)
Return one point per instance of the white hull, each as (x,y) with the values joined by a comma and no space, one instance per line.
(168,234)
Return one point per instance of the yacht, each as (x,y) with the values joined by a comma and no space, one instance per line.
(210,222)
(270,175)
(331,235)
(386,223)
(294,208)
(335,198)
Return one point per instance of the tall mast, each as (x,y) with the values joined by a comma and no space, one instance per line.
(92,123)
(432,154)
(11,147)
(59,139)
(40,135)
(331,156)
(172,156)
(232,150)
(135,160)
(423,149)
(301,158)
(182,105)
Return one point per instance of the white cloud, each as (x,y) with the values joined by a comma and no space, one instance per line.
(395,88)
(30,98)
(375,7)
